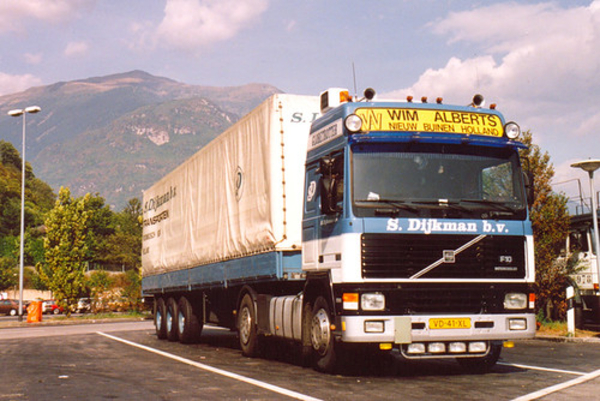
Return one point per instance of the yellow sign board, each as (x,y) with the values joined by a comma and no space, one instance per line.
(427,120)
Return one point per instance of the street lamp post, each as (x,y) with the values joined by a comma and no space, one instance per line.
(590,166)
(17,113)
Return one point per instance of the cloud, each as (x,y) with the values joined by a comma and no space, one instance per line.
(290,25)
(191,25)
(33,58)
(15,14)
(539,62)
(75,49)
(17,83)
(536,48)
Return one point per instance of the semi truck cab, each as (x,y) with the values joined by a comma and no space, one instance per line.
(415,234)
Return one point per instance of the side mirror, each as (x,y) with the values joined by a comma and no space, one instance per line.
(529,191)
(332,184)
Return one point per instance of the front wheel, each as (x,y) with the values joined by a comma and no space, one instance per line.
(483,364)
(321,336)
(247,327)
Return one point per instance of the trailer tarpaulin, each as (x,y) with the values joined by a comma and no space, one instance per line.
(239,195)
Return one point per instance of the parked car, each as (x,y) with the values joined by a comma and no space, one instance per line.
(84,305)
(50,306)
(46,308)
(11,307)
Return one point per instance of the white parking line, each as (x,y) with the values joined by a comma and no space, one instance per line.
(211,369)
(584,377)
(528,367)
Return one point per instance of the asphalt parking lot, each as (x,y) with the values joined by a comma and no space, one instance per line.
(126,361)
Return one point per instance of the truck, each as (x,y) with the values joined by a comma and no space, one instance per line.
(580,251)
(346,225)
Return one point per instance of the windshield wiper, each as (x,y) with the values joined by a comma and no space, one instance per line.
(498,205)
(498,208)
(397,205)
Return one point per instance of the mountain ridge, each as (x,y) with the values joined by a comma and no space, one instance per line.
(117,134)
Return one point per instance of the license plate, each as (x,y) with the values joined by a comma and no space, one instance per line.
(454,323)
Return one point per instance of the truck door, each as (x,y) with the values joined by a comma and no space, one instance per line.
(323,207)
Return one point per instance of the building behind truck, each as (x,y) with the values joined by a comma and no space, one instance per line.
(340,224)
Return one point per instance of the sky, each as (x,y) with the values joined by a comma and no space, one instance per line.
(539,61)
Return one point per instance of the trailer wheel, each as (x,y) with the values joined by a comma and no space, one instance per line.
(247,327)
(189,325)
(483,364)
(172,334)
(321,336)
(160,320)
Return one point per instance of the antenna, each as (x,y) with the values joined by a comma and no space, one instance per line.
(354,76)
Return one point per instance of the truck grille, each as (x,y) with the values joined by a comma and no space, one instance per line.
(401,256)
(473,300)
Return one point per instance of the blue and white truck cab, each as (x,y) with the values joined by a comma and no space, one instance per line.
(415,231)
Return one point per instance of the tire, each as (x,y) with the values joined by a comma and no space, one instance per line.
(322,340)
(160,318)
(249,342)
(56,311)
(483,364)
(13,312)
(306,350)
(172,332)
(189,324)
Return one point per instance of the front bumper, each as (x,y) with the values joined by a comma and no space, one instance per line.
(409,329)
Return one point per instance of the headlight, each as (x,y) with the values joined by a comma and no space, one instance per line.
(372,302)
(353,123)
(515,300)
(517,324)
(512,130)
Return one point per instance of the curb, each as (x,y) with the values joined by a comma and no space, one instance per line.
(50,323)
(561,339)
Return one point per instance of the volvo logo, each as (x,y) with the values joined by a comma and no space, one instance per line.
(449,256)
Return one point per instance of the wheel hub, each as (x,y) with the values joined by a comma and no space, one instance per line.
(159,319)
(181,322)
(245,325)
(320,331)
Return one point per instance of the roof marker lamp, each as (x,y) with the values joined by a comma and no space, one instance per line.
(353,123)
(512,130)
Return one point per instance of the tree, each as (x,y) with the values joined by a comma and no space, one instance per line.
(550,222)
(131,288)
(101,227)
(99,284)
(66,248)
(124,246)
(39,199)
(8,273)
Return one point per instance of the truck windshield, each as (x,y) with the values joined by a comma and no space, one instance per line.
(437,181)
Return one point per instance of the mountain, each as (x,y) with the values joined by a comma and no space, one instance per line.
(118,134)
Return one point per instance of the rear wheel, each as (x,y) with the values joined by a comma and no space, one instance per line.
(189,324)
(321,336)
(172,334)
(160,320)
(247,327)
